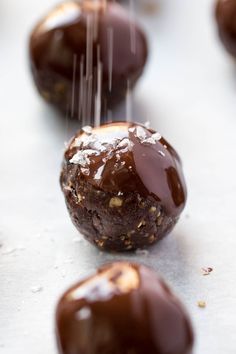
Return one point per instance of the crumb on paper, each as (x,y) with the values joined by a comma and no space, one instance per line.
(36,289)
(206,271)
(201,304)
(142,252)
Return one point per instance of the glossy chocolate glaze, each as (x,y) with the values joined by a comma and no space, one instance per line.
(226,19)
(75,39)
(124,308)
(126,157)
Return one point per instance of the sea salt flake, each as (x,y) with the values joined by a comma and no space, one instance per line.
(77,143)
(125,145)
(156,136)
(92,142)
(87,141)
(131,130)
(87,129)
(90,152)
(124,142)
(152,139)
(149,141)
(80,159)
(97,145)
(140,133)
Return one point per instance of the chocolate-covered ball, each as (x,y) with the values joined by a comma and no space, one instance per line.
(85,55)
(226,19)
(123,185)
(124,308)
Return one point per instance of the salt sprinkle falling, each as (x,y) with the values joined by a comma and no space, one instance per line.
(147,124)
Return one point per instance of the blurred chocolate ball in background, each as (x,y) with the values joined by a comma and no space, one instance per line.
(85,55)
(226,20)
(124,308)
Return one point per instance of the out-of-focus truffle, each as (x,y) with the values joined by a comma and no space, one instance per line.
(226,20)
(124,308)
(84,56)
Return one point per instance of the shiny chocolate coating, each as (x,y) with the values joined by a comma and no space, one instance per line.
(124,308)
(123,185)
(84,54)
(226,20)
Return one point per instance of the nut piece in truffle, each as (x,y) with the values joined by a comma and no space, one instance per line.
(123,185)
(84,55)
(124,308)
(226,20)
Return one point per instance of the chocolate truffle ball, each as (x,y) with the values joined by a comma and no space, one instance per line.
(84,56)
(226,19)
(124,308)
(123,185)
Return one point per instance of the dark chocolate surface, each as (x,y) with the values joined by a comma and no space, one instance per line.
(75,43)
(124,157)
(125,308)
